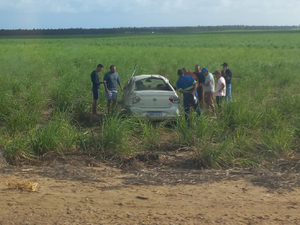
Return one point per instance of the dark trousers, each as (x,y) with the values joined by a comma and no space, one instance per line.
(219,100)
(187,104)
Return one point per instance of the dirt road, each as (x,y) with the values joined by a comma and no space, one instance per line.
(160,192)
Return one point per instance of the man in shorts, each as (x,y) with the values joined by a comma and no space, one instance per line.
(209,90)
(96,87)
(221,87)
(112,79)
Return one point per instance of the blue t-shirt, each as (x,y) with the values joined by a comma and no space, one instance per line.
(186,83)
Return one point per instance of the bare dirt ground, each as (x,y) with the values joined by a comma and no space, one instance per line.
(168,189)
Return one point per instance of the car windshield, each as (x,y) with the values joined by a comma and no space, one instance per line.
(152,83)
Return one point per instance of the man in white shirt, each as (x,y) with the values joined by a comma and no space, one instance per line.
(221,87)
(209,90)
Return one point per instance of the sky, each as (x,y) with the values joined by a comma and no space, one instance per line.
(52,14)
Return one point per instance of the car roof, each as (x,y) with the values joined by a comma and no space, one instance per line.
(145,76)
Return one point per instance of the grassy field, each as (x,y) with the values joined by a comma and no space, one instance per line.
(46,96)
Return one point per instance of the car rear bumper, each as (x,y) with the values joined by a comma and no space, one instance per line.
(166,113)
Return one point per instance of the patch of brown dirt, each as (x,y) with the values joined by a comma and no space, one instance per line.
(168,189)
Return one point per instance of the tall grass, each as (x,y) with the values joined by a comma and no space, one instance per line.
(46,82)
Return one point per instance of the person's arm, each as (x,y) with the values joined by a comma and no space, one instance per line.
(221,88)
(206,84)
(185,91)
(105,86)
(195,88)
(208,80)
(118,80)
(228,74)
(94,79)
(191,91)
(104,82)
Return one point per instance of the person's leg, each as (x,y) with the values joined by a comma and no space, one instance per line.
(197,108)
(200,95)
(113,105)
(212,100)
(94,110)
(95,100)
(207,99)
(228,92)
(218,98)
(108,106)
(222,99)
(186,107)
(114,100)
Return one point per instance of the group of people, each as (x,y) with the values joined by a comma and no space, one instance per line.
(198,88)
(110,81)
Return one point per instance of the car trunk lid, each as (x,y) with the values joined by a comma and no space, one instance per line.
(154,99)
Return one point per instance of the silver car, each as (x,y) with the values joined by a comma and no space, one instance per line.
(152,97)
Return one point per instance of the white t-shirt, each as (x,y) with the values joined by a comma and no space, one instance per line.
(211,87)
(220,92)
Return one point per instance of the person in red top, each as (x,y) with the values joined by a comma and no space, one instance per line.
(186,72)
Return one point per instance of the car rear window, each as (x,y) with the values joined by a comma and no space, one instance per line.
(152,84)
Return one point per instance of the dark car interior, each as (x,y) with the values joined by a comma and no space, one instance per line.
(152,84)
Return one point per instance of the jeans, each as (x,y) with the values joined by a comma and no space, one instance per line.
(187,106)
(228,92)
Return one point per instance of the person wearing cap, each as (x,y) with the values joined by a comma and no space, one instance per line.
(188,86)
(112,79)
(221,87)
(227,74)
(96,87)
(201,80)
(209,90)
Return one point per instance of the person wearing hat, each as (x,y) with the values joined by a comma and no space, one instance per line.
(188,86)
(209,90)
(96,87)
(227,74)
(221,87)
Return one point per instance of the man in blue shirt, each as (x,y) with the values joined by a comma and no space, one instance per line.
(188,86)
(96,87)
(112,79)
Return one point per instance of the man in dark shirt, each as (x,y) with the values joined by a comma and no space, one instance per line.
(201,80)
(96,87)
(227,74)
(112,79)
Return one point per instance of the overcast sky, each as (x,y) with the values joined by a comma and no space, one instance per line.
(29,14)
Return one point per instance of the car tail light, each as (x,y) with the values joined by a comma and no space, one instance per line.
(136,100)
(174,99)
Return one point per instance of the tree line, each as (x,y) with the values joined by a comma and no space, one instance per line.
(140,30)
